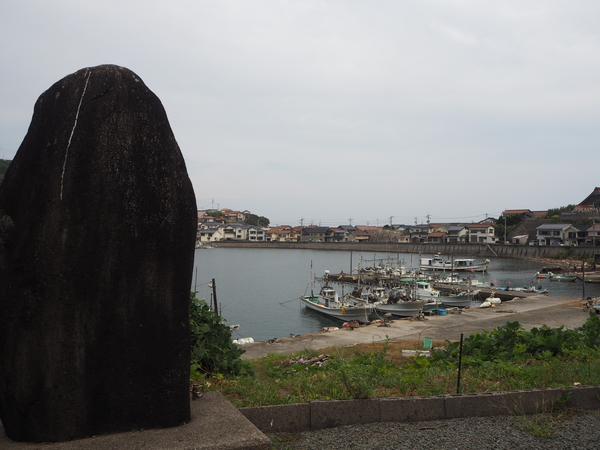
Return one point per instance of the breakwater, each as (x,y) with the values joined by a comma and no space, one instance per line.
(481,250)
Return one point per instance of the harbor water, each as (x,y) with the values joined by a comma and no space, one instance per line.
(259,289)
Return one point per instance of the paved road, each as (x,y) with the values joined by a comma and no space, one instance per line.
(531,311)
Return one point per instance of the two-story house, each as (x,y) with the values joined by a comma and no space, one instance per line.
(593,235)
(314,234)
(282,233)
(457,234)
(481,233)
(419,233)
(556,234)
(209,232)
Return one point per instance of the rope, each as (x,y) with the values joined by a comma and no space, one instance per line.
(287,301)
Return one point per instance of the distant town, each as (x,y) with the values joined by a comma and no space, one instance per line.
(572,225)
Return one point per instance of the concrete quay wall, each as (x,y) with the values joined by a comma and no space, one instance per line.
(335,413)
(479,250)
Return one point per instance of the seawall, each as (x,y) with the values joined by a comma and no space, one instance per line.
(481,250)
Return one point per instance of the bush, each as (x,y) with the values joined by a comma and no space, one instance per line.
(511,342)
(213,351)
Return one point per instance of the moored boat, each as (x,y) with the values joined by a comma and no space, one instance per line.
(329,303)
(403,308)
(460,300)
(437,262)
(562,277)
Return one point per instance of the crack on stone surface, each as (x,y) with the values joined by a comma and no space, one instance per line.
(62,177)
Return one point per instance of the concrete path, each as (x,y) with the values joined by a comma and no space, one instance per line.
(215,425)
(532,311)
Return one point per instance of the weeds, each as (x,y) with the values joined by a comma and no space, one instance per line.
(547,423)
(507,358)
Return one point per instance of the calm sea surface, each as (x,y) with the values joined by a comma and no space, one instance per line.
(259,288)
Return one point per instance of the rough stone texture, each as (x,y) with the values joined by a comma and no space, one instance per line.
(97,231)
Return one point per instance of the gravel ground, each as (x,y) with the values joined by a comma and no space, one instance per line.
(581,430)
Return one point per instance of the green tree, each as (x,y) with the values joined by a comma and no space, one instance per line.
(507,223)
(260,221)
(554,213)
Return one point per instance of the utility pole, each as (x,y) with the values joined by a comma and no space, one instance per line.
(391,219)
(350,221)
(302,221)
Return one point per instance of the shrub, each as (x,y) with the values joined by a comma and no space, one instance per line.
(213,351)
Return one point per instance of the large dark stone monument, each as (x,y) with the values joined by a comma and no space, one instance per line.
(97,230)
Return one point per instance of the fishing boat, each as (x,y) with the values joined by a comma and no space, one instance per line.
(426,291)
(437,262)
(397,302)
(329,303)
(403,308)
(531,289)
(460,300)
(562,277)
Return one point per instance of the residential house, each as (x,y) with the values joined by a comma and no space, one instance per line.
(437,237)
(213,232)
(314,234)
(457,234)
(282,233)
(209,232)
(358,235)
(205,217)
(235,216)
(254,233)
(419,233)
(593,235)
(556,234)
(338,235)
(481,233)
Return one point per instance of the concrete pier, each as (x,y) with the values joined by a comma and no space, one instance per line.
(531,310)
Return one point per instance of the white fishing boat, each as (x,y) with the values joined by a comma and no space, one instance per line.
(460,300)
(425,290)
(395,302)
(401,308)
(329,303)
(438,263)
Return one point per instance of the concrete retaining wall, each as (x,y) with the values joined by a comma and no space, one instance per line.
(481,250)
(334,413)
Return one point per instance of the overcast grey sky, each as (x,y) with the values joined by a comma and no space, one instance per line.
(330,110)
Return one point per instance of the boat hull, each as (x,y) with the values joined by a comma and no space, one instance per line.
(449,268)
(455,302)
(343,313)
(402,309)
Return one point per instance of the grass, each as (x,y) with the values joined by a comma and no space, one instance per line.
(380,370)
(546,424)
